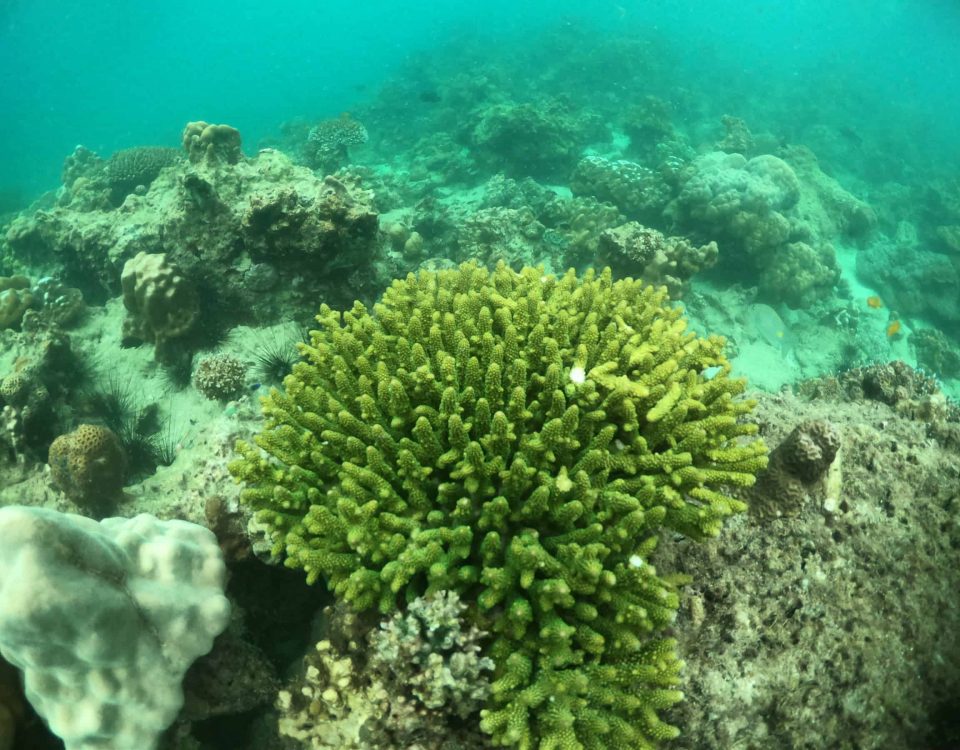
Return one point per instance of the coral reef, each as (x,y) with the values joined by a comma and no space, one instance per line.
(542,140)
(161,303)
(420,688)
(634,189)
(211,144)
(88,465)
(632,249)
(136,168)
(328,142)
(798,626)
(254,236)
(797,470)
(128,605)
(519,439)
(15,299)
(221,377)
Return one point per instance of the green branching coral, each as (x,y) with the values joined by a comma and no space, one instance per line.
(520,439)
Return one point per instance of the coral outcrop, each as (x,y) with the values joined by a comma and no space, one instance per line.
(15,299)
(797,470)
(542,140)
(220,377)
(37,369)
(415,683)
(126,606)
(136,168)
(161,302)
(632,249)
(522,440)
(329,141)
(750,207)
(211,144)
(88,465)
(217,217)
(634,189)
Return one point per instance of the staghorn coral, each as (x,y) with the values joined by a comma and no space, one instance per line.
(632,249)
(161,302)
(522,440)
(220,377)
(88,465)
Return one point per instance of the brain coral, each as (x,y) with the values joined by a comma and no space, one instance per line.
(519,439)
(88,464)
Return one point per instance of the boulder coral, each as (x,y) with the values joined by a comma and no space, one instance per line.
(633,188)
(88,465)
(212,144)
(632,249)
(542,140)
(750,207)
(522,440)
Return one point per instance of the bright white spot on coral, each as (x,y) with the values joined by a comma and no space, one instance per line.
(636,561)
(577,375)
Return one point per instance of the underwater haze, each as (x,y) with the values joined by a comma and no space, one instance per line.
(112,75)
(566,375)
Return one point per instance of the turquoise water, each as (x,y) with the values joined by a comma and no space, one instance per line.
(184,184)
(111,76)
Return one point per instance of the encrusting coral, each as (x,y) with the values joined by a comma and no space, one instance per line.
(519,439)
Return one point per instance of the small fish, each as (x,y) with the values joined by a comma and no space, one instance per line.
(711,372)
(893,329)
(851,135)
(429,96)
(874,301)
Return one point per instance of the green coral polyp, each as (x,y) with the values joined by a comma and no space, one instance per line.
(522,440)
